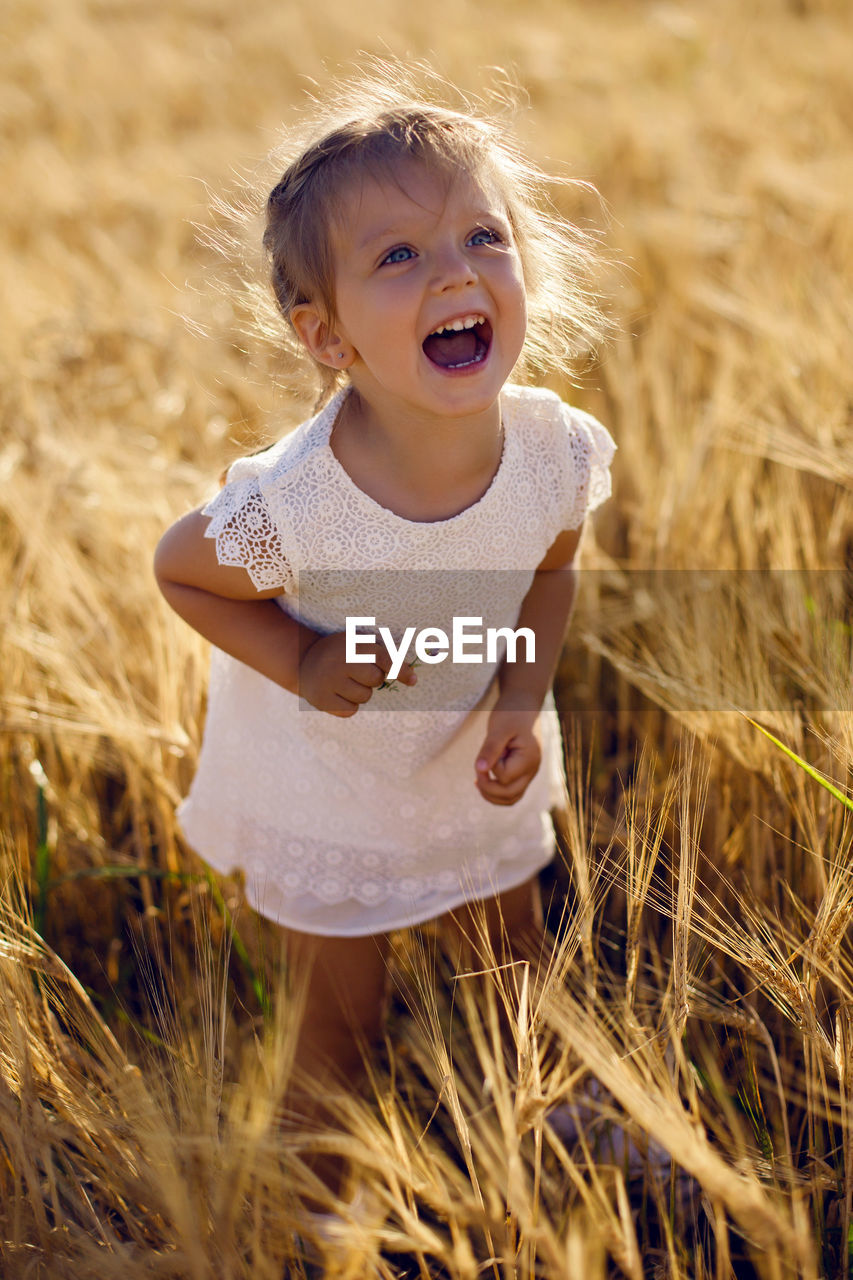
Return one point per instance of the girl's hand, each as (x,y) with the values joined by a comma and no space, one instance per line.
(509,756)
(336,686)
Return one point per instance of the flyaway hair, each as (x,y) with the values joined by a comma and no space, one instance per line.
(366,127)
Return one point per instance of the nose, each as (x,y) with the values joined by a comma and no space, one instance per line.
(453,270)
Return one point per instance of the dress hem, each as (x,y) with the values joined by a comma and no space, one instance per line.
(409,920)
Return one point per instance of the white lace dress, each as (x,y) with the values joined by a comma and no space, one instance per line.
(361,825)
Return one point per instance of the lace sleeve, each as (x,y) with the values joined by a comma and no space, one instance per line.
(247,536)
(590,449)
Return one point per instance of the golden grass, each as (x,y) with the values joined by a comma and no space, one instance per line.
(702,970)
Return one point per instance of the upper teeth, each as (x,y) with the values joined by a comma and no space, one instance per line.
(465,322)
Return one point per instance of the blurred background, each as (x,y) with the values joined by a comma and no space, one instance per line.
(719,137)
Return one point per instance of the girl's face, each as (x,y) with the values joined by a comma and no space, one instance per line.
(429,293)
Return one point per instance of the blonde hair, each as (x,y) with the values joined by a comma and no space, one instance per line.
(369,126)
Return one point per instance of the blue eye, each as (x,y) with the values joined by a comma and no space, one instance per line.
(485,235)
(401,254)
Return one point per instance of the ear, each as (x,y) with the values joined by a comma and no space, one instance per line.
(319,337)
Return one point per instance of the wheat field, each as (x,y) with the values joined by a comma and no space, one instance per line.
(697,995)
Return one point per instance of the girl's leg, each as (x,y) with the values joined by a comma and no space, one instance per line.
(513,923)
(338,986)
(341,986)
(500,940)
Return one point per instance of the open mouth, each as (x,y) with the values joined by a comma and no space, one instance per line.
(466,342)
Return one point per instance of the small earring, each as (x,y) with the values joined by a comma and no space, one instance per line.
(340,355)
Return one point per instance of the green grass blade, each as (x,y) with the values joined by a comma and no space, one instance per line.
(239,946)
(121,871)
(805,766)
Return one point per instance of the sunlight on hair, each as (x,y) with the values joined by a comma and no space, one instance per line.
(371,121)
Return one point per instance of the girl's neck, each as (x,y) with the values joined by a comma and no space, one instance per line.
(421,469)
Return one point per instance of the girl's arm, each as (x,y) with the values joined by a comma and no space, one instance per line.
(223,605)
(510,754)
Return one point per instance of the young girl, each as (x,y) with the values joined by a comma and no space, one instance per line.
(414,260)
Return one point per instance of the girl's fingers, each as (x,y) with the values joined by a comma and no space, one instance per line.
(377,673)
(383,663)
(509,777)
(371,677)
(509,767)
(497,793)
(356,691)
(504,791)
(516,764)
(341,706)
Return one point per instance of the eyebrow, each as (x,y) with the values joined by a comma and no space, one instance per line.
(394,230)
(385,233)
